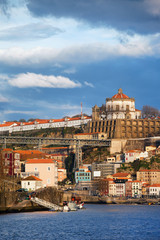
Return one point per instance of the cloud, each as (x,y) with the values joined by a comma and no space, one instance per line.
(29,32)
(135,46)
(131,15)
(19,112)
(153,7)
(3,99)
(38,80)
(70,70)
(89,84)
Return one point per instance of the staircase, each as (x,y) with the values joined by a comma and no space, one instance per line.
(46,204)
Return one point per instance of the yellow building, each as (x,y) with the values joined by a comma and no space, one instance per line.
(150,176)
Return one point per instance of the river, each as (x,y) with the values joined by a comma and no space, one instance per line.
(96,222)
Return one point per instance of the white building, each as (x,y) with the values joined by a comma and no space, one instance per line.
(31,183)
(45,168)
(132,155)
(43,124)
(120,106)
(154,190)
(136,188)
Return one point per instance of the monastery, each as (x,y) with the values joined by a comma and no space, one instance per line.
(120,119)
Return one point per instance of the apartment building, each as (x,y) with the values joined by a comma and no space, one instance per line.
(150,176)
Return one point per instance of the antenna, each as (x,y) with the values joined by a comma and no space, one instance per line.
(81,109)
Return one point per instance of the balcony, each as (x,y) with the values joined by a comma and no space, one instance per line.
(27,174)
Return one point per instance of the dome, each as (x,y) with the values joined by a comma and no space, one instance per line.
(120,95)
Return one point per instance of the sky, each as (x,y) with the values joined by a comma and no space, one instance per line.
(55,54)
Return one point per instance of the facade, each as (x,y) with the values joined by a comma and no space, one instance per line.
(125,128)
(11,162)
(83,175)
(133,155)
(121,120)
(120,106)
(136,188)
(43,124)
(31,183)
(149,176)
(45,168)
(62,174)
(102,170)
(154,190)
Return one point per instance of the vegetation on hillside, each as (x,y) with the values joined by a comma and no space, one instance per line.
(153,163)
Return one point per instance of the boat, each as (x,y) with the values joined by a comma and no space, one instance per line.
(66,208)
(80,205)
(72,206)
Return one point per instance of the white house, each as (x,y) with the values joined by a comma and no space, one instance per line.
(133,155)
(31,183)
(154,190)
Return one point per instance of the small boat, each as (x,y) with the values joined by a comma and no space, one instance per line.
(80,205)
(66,208)
(72,206)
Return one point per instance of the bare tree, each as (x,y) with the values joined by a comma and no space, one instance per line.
(149,112)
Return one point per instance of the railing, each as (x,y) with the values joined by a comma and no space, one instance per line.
(46,204)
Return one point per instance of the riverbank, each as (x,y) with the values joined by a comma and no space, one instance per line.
(28,206)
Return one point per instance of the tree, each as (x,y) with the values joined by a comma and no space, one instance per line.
(22,120)
(149,112)
(69,164)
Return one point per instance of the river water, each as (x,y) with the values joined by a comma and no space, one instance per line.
(96,222)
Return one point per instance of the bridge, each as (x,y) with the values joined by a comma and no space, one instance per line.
(75,143)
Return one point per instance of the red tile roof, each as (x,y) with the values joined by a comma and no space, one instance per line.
(155,185)
(32,178)
(120,96)
(120,175)
(39,161)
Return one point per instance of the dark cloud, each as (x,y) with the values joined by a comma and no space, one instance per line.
(4,5)
(133,15)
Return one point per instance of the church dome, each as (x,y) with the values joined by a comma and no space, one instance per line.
(120,95)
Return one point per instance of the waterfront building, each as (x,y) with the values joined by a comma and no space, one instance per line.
(102,169)
(46,168)
(128,189)
(154,190)
(31,183)
(149,176)
(103,186)
(136,188)
(83,175)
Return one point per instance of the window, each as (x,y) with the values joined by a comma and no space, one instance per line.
(35,169)
(127,107)
(48,180)
(49,169)
(117,107)
(28,183)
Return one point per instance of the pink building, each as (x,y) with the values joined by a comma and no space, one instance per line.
(45,168)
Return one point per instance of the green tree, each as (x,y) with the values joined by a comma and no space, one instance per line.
(69,164)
